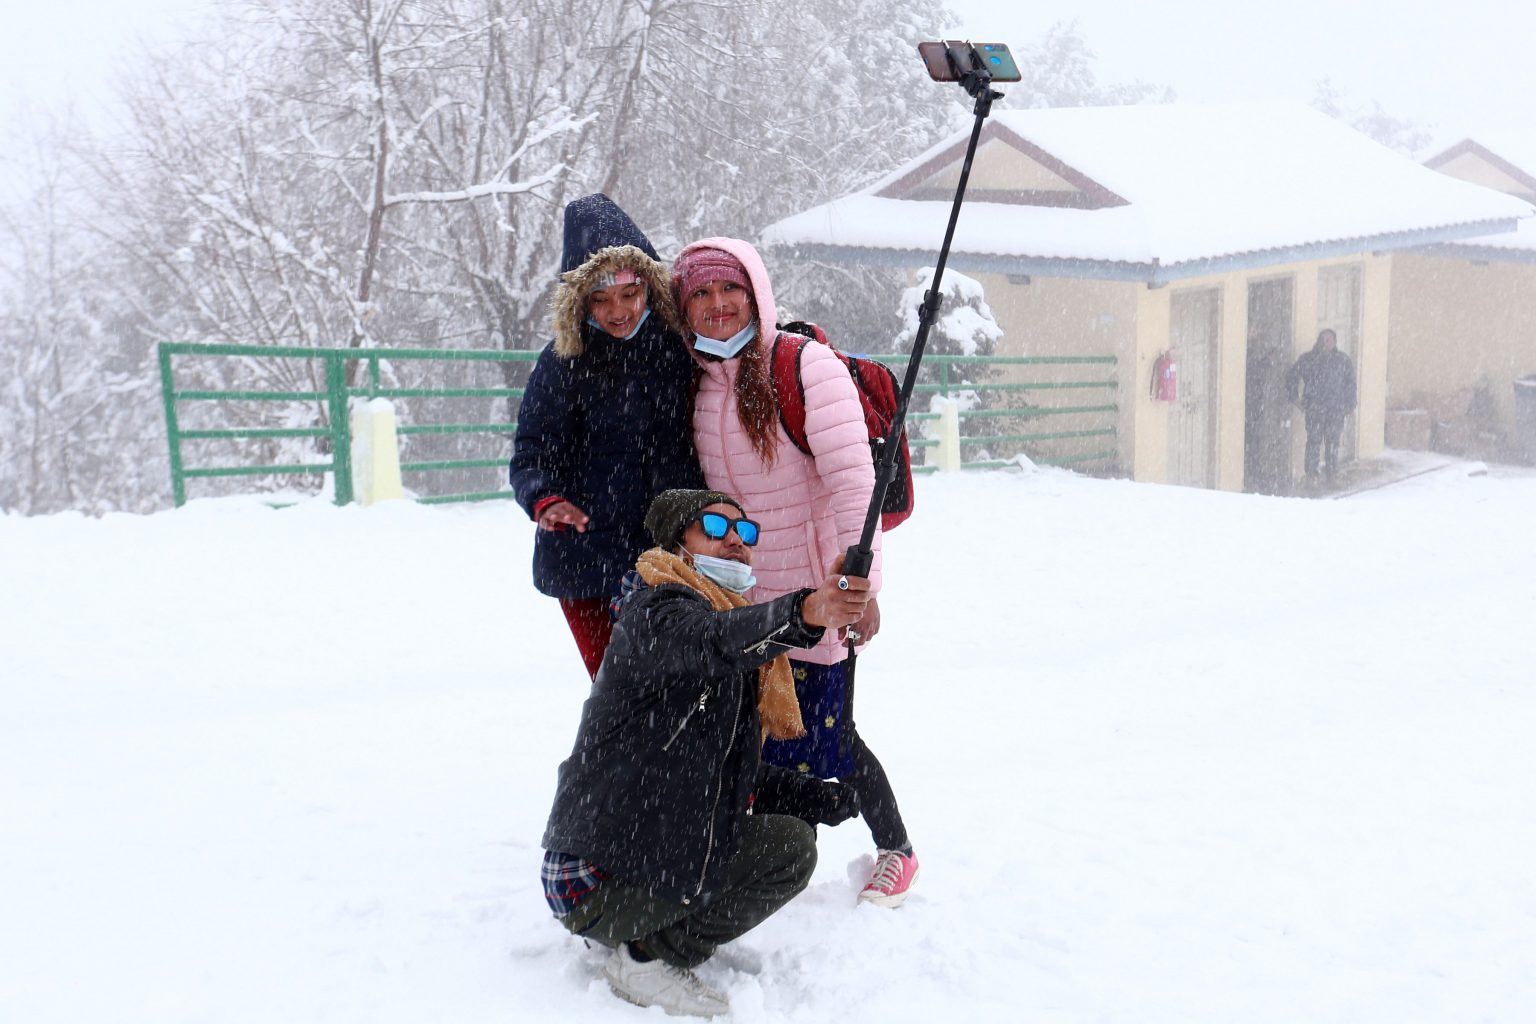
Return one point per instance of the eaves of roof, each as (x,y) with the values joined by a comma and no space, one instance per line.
(1156,273)
(1471,147)
(1479,253)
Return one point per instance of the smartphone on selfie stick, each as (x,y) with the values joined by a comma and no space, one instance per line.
(950,61)
(975,67)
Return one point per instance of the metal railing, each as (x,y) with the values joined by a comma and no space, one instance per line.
(337,382)
(332,395)
(1041,446)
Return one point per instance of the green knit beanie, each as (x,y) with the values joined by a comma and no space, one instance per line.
(673,511)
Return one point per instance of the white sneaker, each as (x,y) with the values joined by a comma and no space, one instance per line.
(676,990)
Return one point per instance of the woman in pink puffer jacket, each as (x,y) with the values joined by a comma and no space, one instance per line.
(811,508)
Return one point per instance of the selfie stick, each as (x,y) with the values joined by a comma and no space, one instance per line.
(859,559)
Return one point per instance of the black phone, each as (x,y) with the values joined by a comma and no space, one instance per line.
(994,57)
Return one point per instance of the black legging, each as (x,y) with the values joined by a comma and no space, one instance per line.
(877,801)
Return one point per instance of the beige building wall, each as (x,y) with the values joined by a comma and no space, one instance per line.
(1457,324)
(1152,332)
(1149,435)
(1054,316)
(1060,316)
(1000,166)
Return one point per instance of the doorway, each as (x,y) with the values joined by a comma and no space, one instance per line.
(1266,411)
(1195,318)
(1338,309)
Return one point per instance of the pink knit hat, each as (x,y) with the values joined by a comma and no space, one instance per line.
(701,266)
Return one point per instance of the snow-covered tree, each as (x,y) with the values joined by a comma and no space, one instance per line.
(1401,134)
(79,419)
(964,325)
(351,173)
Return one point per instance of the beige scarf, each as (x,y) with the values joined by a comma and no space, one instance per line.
(776,703)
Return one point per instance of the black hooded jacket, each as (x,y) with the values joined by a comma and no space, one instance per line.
(667,754)
(604,422)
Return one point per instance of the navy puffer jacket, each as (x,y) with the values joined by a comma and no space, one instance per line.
(604,422)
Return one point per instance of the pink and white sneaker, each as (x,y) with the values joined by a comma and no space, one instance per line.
(894,874)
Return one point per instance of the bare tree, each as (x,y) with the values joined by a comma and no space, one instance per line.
(78,424)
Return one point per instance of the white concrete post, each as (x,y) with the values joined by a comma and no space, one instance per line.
(947,454)
(375,452)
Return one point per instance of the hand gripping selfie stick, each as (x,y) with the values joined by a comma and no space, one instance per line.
(859,559)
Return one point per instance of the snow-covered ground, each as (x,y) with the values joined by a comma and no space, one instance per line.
(1167,755)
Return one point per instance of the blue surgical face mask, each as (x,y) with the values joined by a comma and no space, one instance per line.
(638,324)
(728,348)
(730,574)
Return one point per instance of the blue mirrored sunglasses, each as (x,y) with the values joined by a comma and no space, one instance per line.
(716,526)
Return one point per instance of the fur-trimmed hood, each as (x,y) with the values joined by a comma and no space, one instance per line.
(568,308)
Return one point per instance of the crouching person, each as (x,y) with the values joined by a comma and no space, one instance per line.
(654,847)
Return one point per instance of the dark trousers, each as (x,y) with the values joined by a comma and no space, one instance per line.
(1324,429)
(772,866)
(877,800)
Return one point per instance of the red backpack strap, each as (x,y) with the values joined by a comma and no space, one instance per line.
(788,387)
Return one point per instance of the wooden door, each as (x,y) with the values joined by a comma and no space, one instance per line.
(1266,409)
(1192,419)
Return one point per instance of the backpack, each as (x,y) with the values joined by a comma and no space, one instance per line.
(877,389)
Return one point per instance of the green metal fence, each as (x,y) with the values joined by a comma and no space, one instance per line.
(332,395)
(1093,433)
(1082,432)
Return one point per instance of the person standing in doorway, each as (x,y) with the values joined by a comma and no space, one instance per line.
(1322,382)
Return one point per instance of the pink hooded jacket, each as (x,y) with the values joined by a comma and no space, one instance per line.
(811,507)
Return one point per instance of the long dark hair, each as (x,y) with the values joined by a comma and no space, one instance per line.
(756,401)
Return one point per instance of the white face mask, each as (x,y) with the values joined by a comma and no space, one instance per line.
(729,573)
(638,324)
(728,348)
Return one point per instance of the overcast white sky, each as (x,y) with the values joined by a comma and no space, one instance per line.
(1455,67)
(52,50)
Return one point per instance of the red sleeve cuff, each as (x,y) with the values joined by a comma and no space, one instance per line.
(544,503)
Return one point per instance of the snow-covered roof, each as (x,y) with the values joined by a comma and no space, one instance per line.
(1152,193)
(1503,161)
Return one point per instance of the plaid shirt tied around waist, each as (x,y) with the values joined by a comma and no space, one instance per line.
(568,880)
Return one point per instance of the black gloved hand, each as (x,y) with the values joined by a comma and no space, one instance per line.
(837,804)
(812,800)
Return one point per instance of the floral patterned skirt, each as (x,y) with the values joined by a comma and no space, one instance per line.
(822,691)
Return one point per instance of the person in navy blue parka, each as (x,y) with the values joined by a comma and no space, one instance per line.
(604,424)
